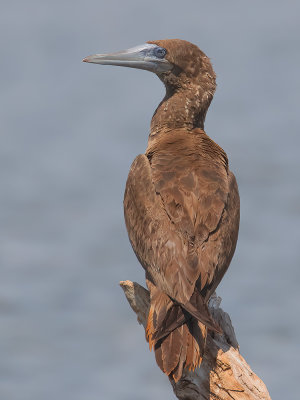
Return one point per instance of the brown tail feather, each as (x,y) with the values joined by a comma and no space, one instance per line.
(178,338)
(150,331)
(174,318)
(170,358)
(197,333)
(177,372)
(198,309)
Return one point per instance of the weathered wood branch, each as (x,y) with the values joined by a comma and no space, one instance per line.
(223,374)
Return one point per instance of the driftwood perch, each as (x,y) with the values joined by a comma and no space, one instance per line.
(223,374)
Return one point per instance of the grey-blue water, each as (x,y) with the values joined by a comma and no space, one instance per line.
(69,132)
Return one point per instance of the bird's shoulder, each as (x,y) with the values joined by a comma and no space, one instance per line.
(190,173)
(175,197)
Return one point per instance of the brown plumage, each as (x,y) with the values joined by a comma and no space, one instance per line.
(181,204)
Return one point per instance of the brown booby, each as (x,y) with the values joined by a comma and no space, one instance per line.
(181,203)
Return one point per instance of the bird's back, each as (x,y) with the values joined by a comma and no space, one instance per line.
(182,214)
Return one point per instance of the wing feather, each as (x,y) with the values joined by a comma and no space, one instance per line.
(176,196)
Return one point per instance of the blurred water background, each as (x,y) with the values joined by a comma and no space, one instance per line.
(69,132)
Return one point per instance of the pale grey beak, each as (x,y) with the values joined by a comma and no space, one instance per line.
(147,56)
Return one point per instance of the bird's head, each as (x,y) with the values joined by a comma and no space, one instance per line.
(178,63)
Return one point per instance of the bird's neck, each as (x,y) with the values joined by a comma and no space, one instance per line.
(185,108)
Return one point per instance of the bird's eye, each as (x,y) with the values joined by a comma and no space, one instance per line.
(160,52)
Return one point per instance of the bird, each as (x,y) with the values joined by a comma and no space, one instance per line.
(181,203)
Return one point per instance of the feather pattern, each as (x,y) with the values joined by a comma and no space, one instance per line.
(176,197)
(181,203)
(181,209)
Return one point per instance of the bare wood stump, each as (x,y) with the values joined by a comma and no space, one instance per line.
(223,374)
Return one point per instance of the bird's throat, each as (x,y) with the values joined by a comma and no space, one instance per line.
(181,109)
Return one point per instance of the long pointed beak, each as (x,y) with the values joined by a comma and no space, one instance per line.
(141,57)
